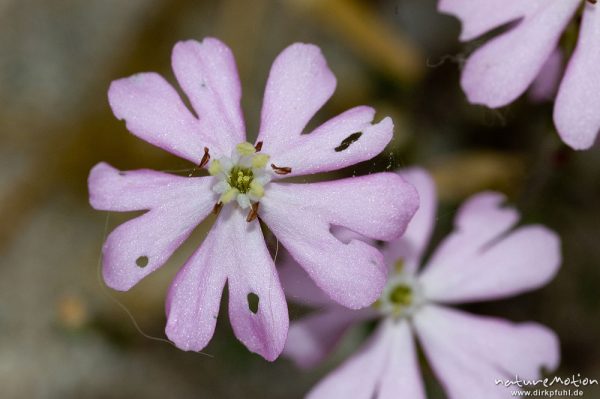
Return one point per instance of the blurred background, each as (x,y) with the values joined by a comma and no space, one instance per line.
(63,335)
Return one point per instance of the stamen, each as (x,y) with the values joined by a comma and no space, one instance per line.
(260,161)
(348,141)
(215,168)
(245,149)
(257,189)
(258,146)
(217,208)
(253,214)
(399,265)
(229,195)
(281,170)
(205,158)
(592,1)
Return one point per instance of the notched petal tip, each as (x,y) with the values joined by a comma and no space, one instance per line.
(99,176)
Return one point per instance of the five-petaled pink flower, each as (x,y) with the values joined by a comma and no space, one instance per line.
(483,259)
(244,187)
(501,70)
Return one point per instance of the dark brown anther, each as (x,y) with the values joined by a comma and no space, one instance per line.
(348,141)
(205,158)
(217,208)
(281,170)
(253,214)
(592,1)
(258,146)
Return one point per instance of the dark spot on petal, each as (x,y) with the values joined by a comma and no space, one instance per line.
(253,300)
(122,173)
(348,141)
(142,261)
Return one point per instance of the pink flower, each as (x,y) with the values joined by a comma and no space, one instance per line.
(501,70)
(244,176)
(483,259)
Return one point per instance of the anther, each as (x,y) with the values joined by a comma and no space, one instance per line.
(592,1)
(253,214)
(205,158)
(281,170)
(258,146)
(217,208)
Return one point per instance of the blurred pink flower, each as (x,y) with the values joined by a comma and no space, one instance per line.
(500,71)
(242,177)
(483,259)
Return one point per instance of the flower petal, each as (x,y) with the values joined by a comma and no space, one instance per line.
(252,276)
(479,17)
(299,84)
(192,305)
(312,338)
(140,246)
(501,70)
(207,73)
(297,285)
(467,269)
(234,249)
(155,113)
(576,111)
(136,190)
(478,221)
(411,246)
(545,85)
(401,377)
(345,140)
(301,216)
(359,376)
(469,353)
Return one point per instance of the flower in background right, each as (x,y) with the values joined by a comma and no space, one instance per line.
(485,258)
(501,70)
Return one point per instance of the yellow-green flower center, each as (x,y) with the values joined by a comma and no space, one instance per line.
(401,296)
(240,178)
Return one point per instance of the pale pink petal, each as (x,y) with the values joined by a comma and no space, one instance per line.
(479,220)
(299,84)
(481,16)
(143,189)
(252,273)
(500,266)
(502,69)
(138,247)
(401,377)
(312,338)
(526,259)
(469,353)
(345,140)
(577,107)
(411,246)
(208,75)
(301,216)
(233,250)
(297,285)
(192,304)
(154,112)
(545,86)
(359,376)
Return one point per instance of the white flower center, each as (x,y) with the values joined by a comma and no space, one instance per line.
(241,177)
(401,297)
